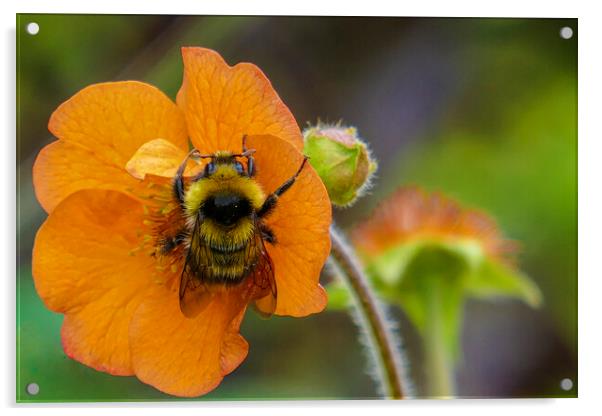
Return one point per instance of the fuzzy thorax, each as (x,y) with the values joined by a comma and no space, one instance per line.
(224,180)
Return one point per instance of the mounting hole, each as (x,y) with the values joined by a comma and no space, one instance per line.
(566,384)
(32,28)
(566,32)
(32,389)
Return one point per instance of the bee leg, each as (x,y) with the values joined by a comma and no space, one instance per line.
(251,166)
(178,185)
(168,244)
(267,234)
(270,202)
(250,161)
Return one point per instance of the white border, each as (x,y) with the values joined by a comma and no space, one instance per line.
(458,8)
(590,200)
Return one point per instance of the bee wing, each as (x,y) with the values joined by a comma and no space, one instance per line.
(263,277)
(194,292)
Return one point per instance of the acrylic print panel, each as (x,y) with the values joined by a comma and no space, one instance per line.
(444,148)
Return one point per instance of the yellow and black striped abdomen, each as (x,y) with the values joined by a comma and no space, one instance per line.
(231,266)
(223,249)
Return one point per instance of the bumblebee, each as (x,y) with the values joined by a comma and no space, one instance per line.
(224,232)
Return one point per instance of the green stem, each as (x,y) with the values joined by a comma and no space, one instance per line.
(372,319)
(439,364)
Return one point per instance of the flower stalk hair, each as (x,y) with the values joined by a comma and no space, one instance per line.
(345,165)
(383,344)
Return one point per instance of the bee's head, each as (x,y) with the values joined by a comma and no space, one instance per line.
(223,187)
(225,165)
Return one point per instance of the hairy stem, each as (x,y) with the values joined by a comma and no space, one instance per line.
(382,340)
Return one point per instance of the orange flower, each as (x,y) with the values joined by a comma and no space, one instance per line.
(106,184)
(412,214)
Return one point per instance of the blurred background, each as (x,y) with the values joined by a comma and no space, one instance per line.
(484,110)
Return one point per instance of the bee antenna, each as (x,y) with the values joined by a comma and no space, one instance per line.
(244,143)
(195,154)
(246,153)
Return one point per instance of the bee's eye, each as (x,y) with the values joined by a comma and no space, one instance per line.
(238,167)
(210,168)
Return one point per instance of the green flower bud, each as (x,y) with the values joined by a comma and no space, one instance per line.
(342,160)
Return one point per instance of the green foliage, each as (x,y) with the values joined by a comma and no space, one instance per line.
(338,296)
(495,279)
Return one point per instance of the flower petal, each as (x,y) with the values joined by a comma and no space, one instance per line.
(108,123)
(300,222)
(160,158)
(186,357)
(97,335)
(63,168)
(223,103)
(411,213)
(235,348)
(84,266)
(114,119)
